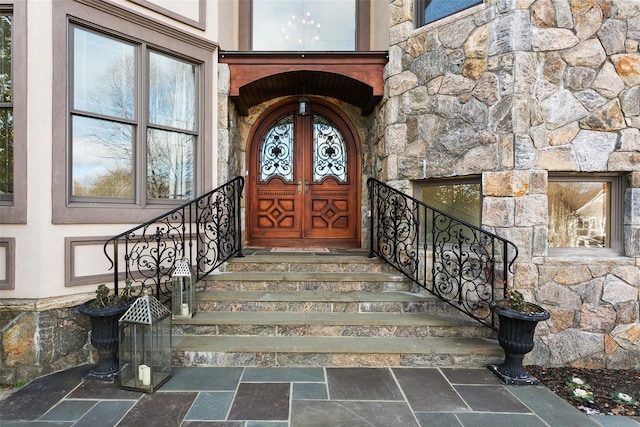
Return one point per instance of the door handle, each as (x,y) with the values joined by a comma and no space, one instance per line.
(306,186)
(299,186)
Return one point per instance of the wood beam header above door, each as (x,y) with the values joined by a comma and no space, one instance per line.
(354,77)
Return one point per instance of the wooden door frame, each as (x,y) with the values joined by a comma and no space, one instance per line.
(262,124)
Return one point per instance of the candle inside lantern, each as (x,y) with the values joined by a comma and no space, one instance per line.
(185,310)
(144,374)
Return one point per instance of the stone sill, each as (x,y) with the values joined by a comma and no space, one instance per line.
(583,256)
(44,304)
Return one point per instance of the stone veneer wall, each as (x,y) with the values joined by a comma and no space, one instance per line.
(42,336)
(511,91)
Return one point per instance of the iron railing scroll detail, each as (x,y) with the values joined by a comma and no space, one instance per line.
(460,263)
(206,231)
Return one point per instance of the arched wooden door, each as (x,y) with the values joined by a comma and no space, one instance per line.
(303,180)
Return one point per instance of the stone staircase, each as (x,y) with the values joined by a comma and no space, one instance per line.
(324,309)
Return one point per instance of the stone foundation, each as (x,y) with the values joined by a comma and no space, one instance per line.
(41,336)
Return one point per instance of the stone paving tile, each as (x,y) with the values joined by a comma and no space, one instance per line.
(263,375)
(267,424)
(211,406)
(103,390)
(470,376)
(427,390)
(203,379)
(37,423)
(213,424)
(69,410)
(502,420)
(310,413)
(161,409)
(37,397)
(490,399)
(362,384)
(261,401)
(551,408)
(437,419)
(608,421)
(310,391)
(106,413)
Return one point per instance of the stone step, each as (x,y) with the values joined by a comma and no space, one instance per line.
(352,261)
(321,301)
(346,281)
(329,324)
(222,350)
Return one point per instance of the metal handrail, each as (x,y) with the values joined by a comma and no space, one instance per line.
(151,250)
(458,262)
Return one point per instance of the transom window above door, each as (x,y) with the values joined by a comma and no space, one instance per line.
(303,25)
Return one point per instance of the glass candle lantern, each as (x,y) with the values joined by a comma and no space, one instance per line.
(145,345)
(183,292)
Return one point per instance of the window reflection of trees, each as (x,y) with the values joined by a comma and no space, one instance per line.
(108,149)
(6,109)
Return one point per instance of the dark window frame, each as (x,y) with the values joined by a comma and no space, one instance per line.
(421,5)
(615,211)
(363,22)
(165,38)
(141,122)
(13,209)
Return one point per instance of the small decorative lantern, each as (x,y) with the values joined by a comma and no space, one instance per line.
(183,293)
(145,345)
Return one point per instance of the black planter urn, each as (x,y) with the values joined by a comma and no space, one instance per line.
(104,337)
(516,339)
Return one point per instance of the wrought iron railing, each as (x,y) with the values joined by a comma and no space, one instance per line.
(206,231)
(462,264)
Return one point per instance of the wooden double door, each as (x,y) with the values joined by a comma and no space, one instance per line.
(303,187)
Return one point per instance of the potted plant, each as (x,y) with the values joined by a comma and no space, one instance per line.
(105,311)
(518,320)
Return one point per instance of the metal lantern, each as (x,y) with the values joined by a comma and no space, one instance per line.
(183,291)
(145,345)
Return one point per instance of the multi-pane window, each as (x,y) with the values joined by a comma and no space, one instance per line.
(6,111)
(310,25)
(431,10)
(134,127)
(581,212)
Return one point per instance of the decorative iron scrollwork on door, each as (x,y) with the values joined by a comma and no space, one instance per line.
(329,151)
(276,154)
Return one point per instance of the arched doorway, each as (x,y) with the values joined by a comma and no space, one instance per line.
(303,186)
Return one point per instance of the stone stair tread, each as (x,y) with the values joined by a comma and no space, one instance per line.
(263,276)
(314,296)
(323,318)
(322,344)
(306,257)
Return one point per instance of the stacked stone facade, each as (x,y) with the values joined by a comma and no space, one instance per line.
(511,91)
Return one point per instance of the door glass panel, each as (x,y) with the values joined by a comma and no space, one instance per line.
(276,152)
(329,151)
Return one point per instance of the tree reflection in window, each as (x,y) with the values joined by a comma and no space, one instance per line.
(329,151)
(276,154)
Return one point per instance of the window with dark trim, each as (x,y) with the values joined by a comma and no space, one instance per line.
(133,121)
(311,25)
(428,11)
(6,109)
(585,211)
(459,198)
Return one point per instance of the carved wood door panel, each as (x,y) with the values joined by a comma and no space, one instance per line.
(303,181)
